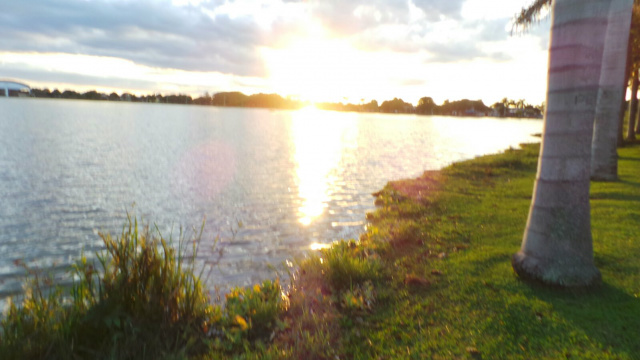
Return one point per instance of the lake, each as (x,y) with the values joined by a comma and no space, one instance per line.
(294,180)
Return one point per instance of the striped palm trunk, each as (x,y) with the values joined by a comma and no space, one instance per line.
(557,246)
(604,149)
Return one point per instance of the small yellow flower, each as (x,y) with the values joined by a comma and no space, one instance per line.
(256,288)
(243,324)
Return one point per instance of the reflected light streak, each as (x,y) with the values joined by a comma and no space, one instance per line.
(318,140)
(318,246)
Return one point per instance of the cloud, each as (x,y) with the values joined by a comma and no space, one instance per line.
(225,36)
(454,52)
(231,37)
(490,30)
(37,76)
(417,27)
(348,18)
(438,9)
(447,41)
(154,33)
(78,72)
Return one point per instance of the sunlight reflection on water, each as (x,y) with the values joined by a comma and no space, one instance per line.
(318,143)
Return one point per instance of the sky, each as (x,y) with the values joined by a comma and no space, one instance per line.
(312,50)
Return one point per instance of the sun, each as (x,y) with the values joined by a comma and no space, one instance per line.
(317,68)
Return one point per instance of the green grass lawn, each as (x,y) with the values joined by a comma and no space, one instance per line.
(449,290)
(431,278)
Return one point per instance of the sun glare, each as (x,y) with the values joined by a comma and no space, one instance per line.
(317,68)
(319,141)
(315,154)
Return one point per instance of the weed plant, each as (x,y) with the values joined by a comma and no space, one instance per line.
(350,265)
(143,301)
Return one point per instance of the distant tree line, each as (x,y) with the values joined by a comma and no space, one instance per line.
(94,95)
(236,99)
(426,105)
(464,107)
(369,107)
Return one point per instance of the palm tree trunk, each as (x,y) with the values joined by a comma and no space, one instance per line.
(633,106)
(623,101)
(604,148)
(637,122)
(557,246)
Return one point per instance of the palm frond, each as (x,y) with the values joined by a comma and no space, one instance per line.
(530,15)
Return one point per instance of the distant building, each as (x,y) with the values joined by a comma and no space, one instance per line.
(14,89)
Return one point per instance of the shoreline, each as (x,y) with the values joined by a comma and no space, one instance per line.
(337,107)
(446,288)
(431,277)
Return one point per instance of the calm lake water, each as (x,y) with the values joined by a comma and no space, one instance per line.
(295,179)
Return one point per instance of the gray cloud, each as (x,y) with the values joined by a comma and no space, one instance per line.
(500,56)
(33,75)
(462,51)
(435,9)
(454,52)
(39,76)
(542,31)
(339,16)
(491,30)
(153,33)
(418,38)
(395,32)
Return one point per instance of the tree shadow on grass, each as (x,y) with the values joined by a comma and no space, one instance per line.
(608,317)
(614,264)
(630,183)
(528,320)
(629,158)
(614,196)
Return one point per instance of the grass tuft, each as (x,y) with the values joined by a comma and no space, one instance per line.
(142,301)
(350,265)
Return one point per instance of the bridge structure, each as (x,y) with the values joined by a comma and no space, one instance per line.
(13,88)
